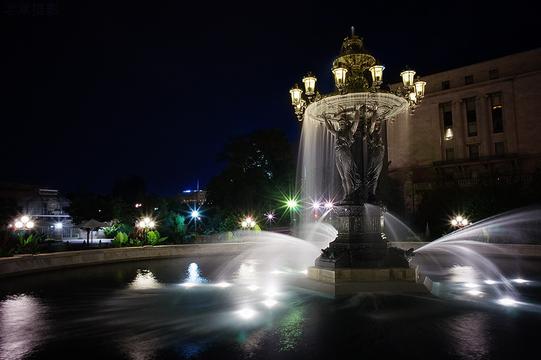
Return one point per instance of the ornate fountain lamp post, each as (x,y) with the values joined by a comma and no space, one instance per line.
(355,115)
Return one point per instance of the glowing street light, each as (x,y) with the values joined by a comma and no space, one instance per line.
(24,223)
(146,223)
(459,221)
(270,216)
(328,205)
(195,215)
(248,223)
(292,204)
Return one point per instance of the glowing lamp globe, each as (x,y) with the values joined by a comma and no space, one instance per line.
(18,224)
(420,88)
(296,95)
(339,73)
(407,77)
(377,73)
(309,84)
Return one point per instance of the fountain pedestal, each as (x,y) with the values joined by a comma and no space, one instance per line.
(359,259)
(360,242)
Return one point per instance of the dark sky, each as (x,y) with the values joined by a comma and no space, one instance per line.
(91,91)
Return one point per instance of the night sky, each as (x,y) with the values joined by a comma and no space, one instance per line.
(91,91)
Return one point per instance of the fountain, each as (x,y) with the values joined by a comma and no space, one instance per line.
(344,138)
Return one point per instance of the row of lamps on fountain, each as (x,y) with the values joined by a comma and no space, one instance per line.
(413,89)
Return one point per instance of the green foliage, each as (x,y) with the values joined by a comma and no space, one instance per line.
(153,238)
(121,239)
(28,243)
(111,231)
(258,167)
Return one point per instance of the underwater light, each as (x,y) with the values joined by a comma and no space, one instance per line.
(269,303)
(507,301)
(474,292)
(520,281)
(222,284)
(246,313)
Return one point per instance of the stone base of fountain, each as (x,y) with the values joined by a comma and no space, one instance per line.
(359,259)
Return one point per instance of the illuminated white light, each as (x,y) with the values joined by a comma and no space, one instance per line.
(189,284)
(276,272)
(25,219)
(316,205)
(222,284)
(194,214)
(305,272)
(18,224)
(270,216)
(144,280)
(465,222)
(490,282)
(454,222)
(244,224)
(270,303)
(329,205)
(30,224)
(474,292)
(58,226)
(459,218)
(271,293)
(471,285)
(520,281)
(246,313)
(507,301)
(253,287)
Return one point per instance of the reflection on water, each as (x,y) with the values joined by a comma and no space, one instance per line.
(23,326)
(470,335)
(249,312)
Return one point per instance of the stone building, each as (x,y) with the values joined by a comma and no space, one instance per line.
(477,124)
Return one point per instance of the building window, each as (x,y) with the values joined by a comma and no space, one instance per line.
(493,74)
(473,151)
(499,148)
(447,116)
(471,116)
(449,154)
(468,79)
(445,85)
(496,106)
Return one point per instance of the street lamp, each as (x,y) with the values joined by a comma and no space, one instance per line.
(248,223)
(24,223)
(146,223)
(195,215)
(459,221)
(339,73)
(309,84)
(377,75)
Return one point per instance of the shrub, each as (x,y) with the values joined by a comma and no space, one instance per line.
(121,239)
(153,237)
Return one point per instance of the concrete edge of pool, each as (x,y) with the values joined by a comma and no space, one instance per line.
(31,263)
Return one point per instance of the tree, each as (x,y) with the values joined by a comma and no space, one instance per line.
(257,167)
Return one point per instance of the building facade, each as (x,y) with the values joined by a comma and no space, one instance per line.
(46,207)
(479,123)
